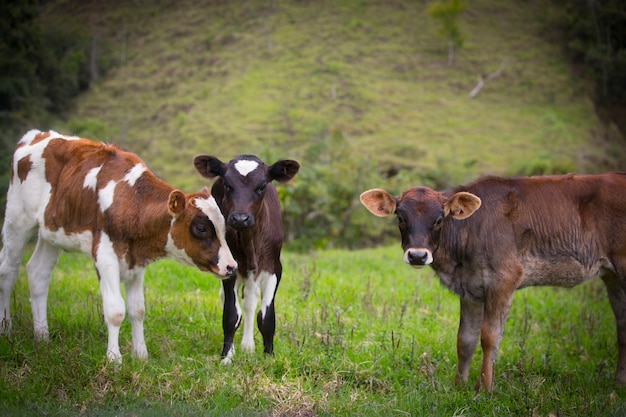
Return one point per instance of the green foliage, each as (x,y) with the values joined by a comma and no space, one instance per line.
(597,31)
(358,333)
(321,207)
(92,128)
(447,12)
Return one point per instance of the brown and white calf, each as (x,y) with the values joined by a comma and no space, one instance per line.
(254,232)
(487,239)
(94,198)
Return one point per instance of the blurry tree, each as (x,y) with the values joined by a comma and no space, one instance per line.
(596,32)
(42,68)
(321,204)
(447,13)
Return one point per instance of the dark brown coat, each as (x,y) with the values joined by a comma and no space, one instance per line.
(487,239)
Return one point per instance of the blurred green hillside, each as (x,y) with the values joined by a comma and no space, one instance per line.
(359,91)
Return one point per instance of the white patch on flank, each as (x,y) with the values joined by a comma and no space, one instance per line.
(91,179)
(134,174)
(105,196)
(210,208)
(244,167)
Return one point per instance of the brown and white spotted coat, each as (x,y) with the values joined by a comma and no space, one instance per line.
(90,197)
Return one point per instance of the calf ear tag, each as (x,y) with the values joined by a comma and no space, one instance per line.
(176,203)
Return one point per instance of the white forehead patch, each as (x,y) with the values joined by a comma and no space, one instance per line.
(244,167)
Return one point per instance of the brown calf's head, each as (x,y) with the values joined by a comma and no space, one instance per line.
(421,212)
(197,233)
(241,184)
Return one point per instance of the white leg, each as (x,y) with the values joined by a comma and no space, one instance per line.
(268,285)
(250,301)
(136,311)
(39,269)
(113,307)
(15,237)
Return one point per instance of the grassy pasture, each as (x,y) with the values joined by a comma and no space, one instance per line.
(358,333)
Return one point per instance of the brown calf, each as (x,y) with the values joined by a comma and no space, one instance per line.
(487,239)
(94,198)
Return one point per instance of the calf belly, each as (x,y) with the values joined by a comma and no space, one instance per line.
(561,271)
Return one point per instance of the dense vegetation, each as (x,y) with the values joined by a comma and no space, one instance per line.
(360,92)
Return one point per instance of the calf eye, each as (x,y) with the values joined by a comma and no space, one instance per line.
(438,223)
(201,229)
(261,188)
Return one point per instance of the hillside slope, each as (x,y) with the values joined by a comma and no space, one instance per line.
(272,77)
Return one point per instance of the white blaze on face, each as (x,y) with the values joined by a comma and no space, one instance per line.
(244,167)
(210,208)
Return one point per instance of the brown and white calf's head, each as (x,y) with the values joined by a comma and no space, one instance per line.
(241,184)
(421,212)
(197,233)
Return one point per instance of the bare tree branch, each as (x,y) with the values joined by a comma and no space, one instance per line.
(482,82)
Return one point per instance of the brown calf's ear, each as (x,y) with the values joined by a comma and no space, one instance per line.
(461,205)
(379,202)
(176,203)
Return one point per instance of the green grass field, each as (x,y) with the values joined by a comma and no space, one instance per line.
(359,333)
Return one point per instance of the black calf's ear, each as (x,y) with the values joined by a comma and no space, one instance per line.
(209,166)
(284,170)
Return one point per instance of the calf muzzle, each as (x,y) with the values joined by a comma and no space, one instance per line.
(240,221)
(418,257)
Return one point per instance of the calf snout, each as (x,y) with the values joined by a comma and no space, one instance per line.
(418,257)
(241,220)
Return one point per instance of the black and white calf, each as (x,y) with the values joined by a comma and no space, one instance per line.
(254,232)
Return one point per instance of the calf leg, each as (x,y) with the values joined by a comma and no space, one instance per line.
(250,301)
(231,317)
(108,268)
(496,311)
(15,238)
(617,298)
(467,337)
(136,311)
(39,269)
(266,317)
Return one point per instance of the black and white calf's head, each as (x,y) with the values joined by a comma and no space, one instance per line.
(241,184)
(421,212)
